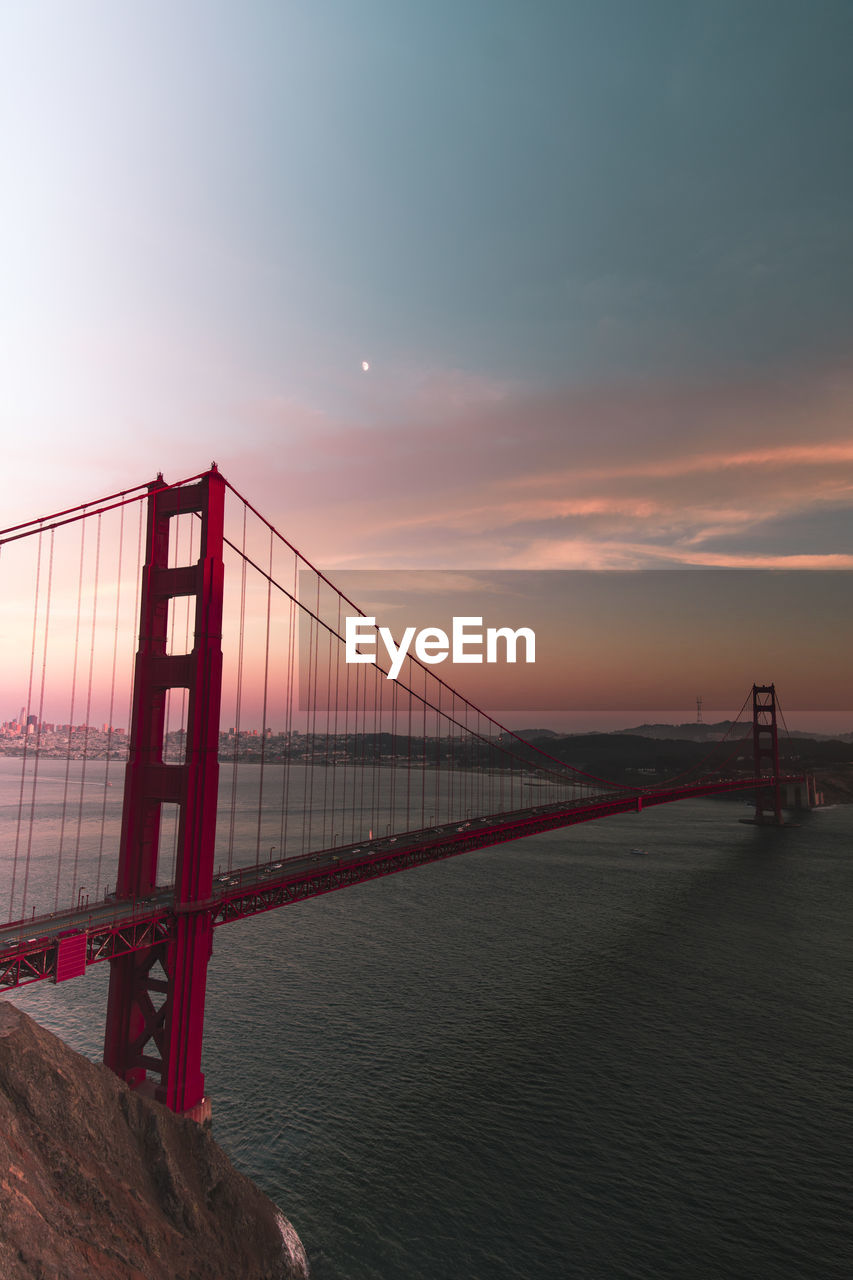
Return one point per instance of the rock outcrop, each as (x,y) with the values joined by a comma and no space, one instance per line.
(96,1181)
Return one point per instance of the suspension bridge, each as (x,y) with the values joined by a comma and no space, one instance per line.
(133,846)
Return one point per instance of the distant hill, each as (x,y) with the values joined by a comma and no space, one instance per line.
(714,732)
(691,732)
(530,734)
(684,732)
(653,753)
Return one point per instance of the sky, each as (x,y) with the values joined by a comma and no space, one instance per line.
(598,255)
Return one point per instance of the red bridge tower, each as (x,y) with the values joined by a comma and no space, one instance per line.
(142,1035)
(765,746)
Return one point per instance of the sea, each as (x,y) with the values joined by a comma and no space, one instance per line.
(550,1060)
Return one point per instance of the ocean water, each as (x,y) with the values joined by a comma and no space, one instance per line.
(550,1059)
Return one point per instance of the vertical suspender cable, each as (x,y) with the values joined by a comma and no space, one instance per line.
(394,759)
(137,594)
(307,776)
(334,730)
(438,752)
(349,772)
(88,708)
(111,706)
(264,712)
(39,722)
(409,818)
(238,697)
(374,781)
(308,834)
(25,727)
(328,812)
(357,762)
(292,677)
(66,784)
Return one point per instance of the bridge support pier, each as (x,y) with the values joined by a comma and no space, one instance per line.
(802,794)
(143,1036)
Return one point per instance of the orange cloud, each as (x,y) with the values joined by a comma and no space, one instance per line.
(451,471)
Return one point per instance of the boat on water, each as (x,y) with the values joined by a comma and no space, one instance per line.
(639,853)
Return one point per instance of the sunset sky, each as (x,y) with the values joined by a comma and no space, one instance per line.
(598,255)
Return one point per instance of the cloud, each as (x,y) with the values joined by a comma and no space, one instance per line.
(474,473)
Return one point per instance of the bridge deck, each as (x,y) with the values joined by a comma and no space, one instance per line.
(30,949)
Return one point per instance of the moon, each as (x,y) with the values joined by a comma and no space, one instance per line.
(364,366)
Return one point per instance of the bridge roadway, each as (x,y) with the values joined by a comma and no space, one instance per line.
(30,949)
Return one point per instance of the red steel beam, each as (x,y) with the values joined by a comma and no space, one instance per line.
(193,786)
(138,938)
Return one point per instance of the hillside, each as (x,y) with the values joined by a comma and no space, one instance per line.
(96,1181)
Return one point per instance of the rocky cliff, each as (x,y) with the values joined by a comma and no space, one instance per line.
(98,1182)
